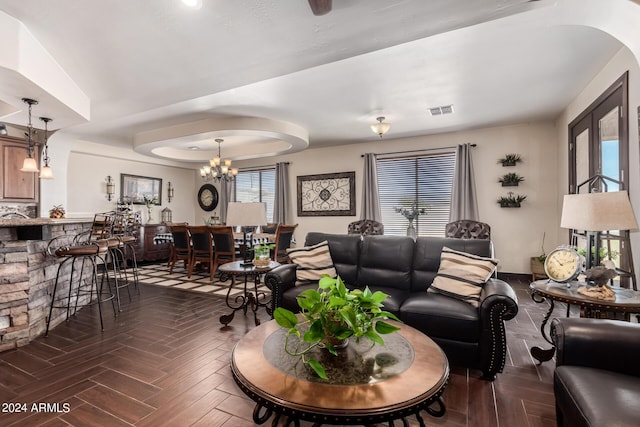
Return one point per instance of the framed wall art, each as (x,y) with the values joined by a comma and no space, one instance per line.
(331,194)
(135,188)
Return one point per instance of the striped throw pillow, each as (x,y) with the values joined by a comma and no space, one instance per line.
(313,262)
(462,275)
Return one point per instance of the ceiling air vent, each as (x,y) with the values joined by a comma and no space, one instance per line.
(439,111)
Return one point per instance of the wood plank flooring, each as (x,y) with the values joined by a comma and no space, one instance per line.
(165,361)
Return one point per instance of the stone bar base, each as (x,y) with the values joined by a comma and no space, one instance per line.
(27,275)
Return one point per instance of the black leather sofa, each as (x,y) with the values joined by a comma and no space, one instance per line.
(404,269)
(597,377)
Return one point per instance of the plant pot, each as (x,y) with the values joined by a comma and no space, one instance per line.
(262,256)
(508,163)
(510,184)
(335,342)
(537,268)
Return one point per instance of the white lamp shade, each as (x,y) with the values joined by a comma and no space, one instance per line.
(46,173)
(29,165)
(246,214)
(598,212)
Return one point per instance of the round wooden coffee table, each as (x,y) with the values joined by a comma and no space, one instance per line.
(367,384)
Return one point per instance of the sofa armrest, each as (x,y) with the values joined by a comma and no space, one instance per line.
(279,280)
(498,302)
(497,293)
(595,343)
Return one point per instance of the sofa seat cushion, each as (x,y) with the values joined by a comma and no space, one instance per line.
(595,397)
(289,300)
(440,316)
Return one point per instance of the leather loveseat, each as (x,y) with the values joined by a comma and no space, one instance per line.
(597,377)
(404,269)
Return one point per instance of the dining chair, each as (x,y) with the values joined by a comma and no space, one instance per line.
(201,248)
(224,246)
(181,249)
(284,235)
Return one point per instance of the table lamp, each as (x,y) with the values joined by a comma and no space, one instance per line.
(251,214)
(596,212)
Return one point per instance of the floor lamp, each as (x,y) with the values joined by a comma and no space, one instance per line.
(595,213)
(251,214)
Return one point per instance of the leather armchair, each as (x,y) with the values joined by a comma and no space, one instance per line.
(597,377)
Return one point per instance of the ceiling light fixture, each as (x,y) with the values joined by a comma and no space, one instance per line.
(46,172)
(381,127)
(29,164)
(3,129)
(218,169)
(193,4)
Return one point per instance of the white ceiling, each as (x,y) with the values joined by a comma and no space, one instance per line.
(162,78)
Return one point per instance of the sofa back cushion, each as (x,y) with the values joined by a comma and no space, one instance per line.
(426,257)
(385,261)
(345,252)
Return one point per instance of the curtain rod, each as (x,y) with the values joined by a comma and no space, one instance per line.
(416,151)
(261,166)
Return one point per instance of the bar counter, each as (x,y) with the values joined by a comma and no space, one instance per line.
(27,275)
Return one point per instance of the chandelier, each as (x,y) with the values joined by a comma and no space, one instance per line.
(218,169)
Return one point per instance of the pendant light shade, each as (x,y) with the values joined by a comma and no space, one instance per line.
(29,165)
(46,173)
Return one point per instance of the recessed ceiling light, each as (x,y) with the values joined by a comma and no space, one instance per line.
(194,4)
(193,148)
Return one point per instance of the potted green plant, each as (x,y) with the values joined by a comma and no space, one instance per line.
(537,262)
(510,179)
(510,159)
(262,254)
(330,316)
(511,200)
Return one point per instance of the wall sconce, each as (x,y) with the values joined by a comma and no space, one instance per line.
(46,172)
(169,191)
(111,188)
(3,129)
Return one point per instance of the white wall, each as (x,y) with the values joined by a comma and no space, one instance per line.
(623,61)
(517,233)
(86,186)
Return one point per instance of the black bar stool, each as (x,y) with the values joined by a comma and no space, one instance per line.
(78,255)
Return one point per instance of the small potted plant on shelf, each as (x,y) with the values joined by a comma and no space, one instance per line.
(330,316)
(511,200)
(57,212)
(510,179)
(510,159)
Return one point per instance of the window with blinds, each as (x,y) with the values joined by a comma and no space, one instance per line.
(426,180)
(257,186)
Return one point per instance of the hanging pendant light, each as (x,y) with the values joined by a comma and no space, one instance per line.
(46,172)
(29,164)
(380,128)
(218,169)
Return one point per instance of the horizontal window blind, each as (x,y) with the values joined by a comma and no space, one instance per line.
(257,186)
(426,180)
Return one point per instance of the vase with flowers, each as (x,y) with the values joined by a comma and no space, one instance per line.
(149,202)
(411,214)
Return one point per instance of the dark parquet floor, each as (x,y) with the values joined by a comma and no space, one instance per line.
(165,361)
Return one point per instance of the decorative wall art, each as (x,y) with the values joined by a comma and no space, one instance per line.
(135,188)
(331,194)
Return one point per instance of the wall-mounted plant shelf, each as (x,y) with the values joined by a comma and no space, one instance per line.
(510,159)
(510,179)
(511,200)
